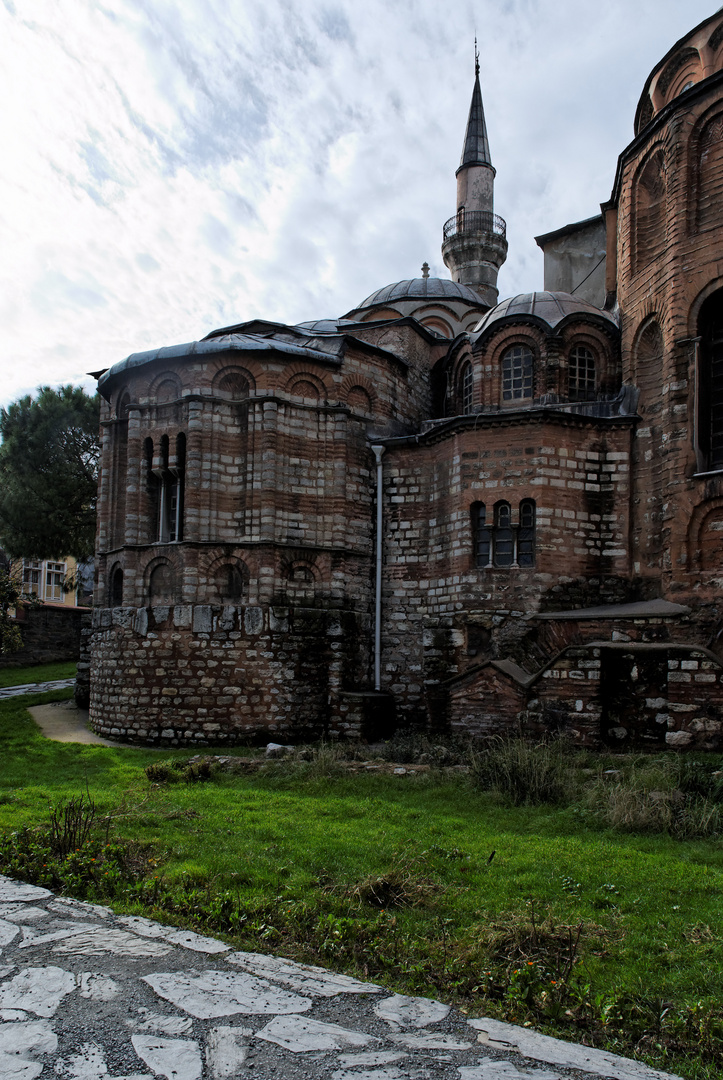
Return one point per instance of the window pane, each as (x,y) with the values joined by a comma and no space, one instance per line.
(517,374)
(483,537)
(526,534)
(581,374)
(504,545)
(467,388)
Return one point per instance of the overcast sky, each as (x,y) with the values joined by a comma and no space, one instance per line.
(171,166)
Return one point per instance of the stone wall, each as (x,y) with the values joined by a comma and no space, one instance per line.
(50,635)
(200,673)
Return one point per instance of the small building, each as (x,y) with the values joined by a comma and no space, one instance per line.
(441,509)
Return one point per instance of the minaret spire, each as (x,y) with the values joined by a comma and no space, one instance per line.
(474,244)
(476,149)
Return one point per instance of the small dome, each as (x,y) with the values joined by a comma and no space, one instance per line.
(550,308)
(431,288)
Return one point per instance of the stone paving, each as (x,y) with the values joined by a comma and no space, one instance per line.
(36,688)
(88,995)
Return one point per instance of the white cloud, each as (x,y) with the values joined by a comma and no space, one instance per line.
(170,167)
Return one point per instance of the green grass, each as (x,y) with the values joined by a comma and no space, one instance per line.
(36,673)
(393,878)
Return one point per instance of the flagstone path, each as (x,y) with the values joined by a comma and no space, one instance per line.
(88,995)
(35,688)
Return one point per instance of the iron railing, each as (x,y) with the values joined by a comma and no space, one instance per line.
(475,222)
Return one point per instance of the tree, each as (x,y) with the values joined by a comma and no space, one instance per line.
(49,474)
(11,595)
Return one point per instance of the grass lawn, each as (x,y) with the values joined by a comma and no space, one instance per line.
(585,932)
(37,673)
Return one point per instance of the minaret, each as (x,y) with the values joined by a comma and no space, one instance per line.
(474,245)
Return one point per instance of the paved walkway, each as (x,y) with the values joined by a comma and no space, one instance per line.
(35,688)
(88,995)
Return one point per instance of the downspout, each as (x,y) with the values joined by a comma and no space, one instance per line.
(700,462)
(378,452)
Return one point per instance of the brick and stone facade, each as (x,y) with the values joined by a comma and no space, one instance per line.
(550,469)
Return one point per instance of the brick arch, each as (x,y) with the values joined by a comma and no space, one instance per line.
(648,364)
(122,401)
(165,387)
(300,382)
(645,114)
(694,313)
(115,584)
(160,581)
(705,540)
(435,322)
(649,208)
(353,387)
(684,62)
(233,382)
(647,351)
(228,580)
(706,171)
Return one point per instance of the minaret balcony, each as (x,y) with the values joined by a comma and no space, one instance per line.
(475,223)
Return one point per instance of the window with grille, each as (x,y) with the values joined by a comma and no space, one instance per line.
(517,374)
(581,374)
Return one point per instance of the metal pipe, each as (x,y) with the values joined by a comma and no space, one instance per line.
(378,452)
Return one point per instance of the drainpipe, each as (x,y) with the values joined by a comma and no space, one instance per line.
(378,452)
(700,462)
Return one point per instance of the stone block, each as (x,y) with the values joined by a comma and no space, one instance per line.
(202,619)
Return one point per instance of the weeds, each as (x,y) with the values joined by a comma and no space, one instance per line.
(524,773)
(175,770)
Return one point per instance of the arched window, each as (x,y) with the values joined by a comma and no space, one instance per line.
(649,204)
(500,543)
(466,387)
(518,368)
(504,541)
(482,536)
(581,374)
(526,534)
(116,587)
(710,417)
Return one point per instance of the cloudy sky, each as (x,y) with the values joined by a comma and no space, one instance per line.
(171,166)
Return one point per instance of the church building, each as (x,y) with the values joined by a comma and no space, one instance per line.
(442,510)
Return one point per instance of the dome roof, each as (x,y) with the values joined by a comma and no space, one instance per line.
(431,288)
(547,307)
